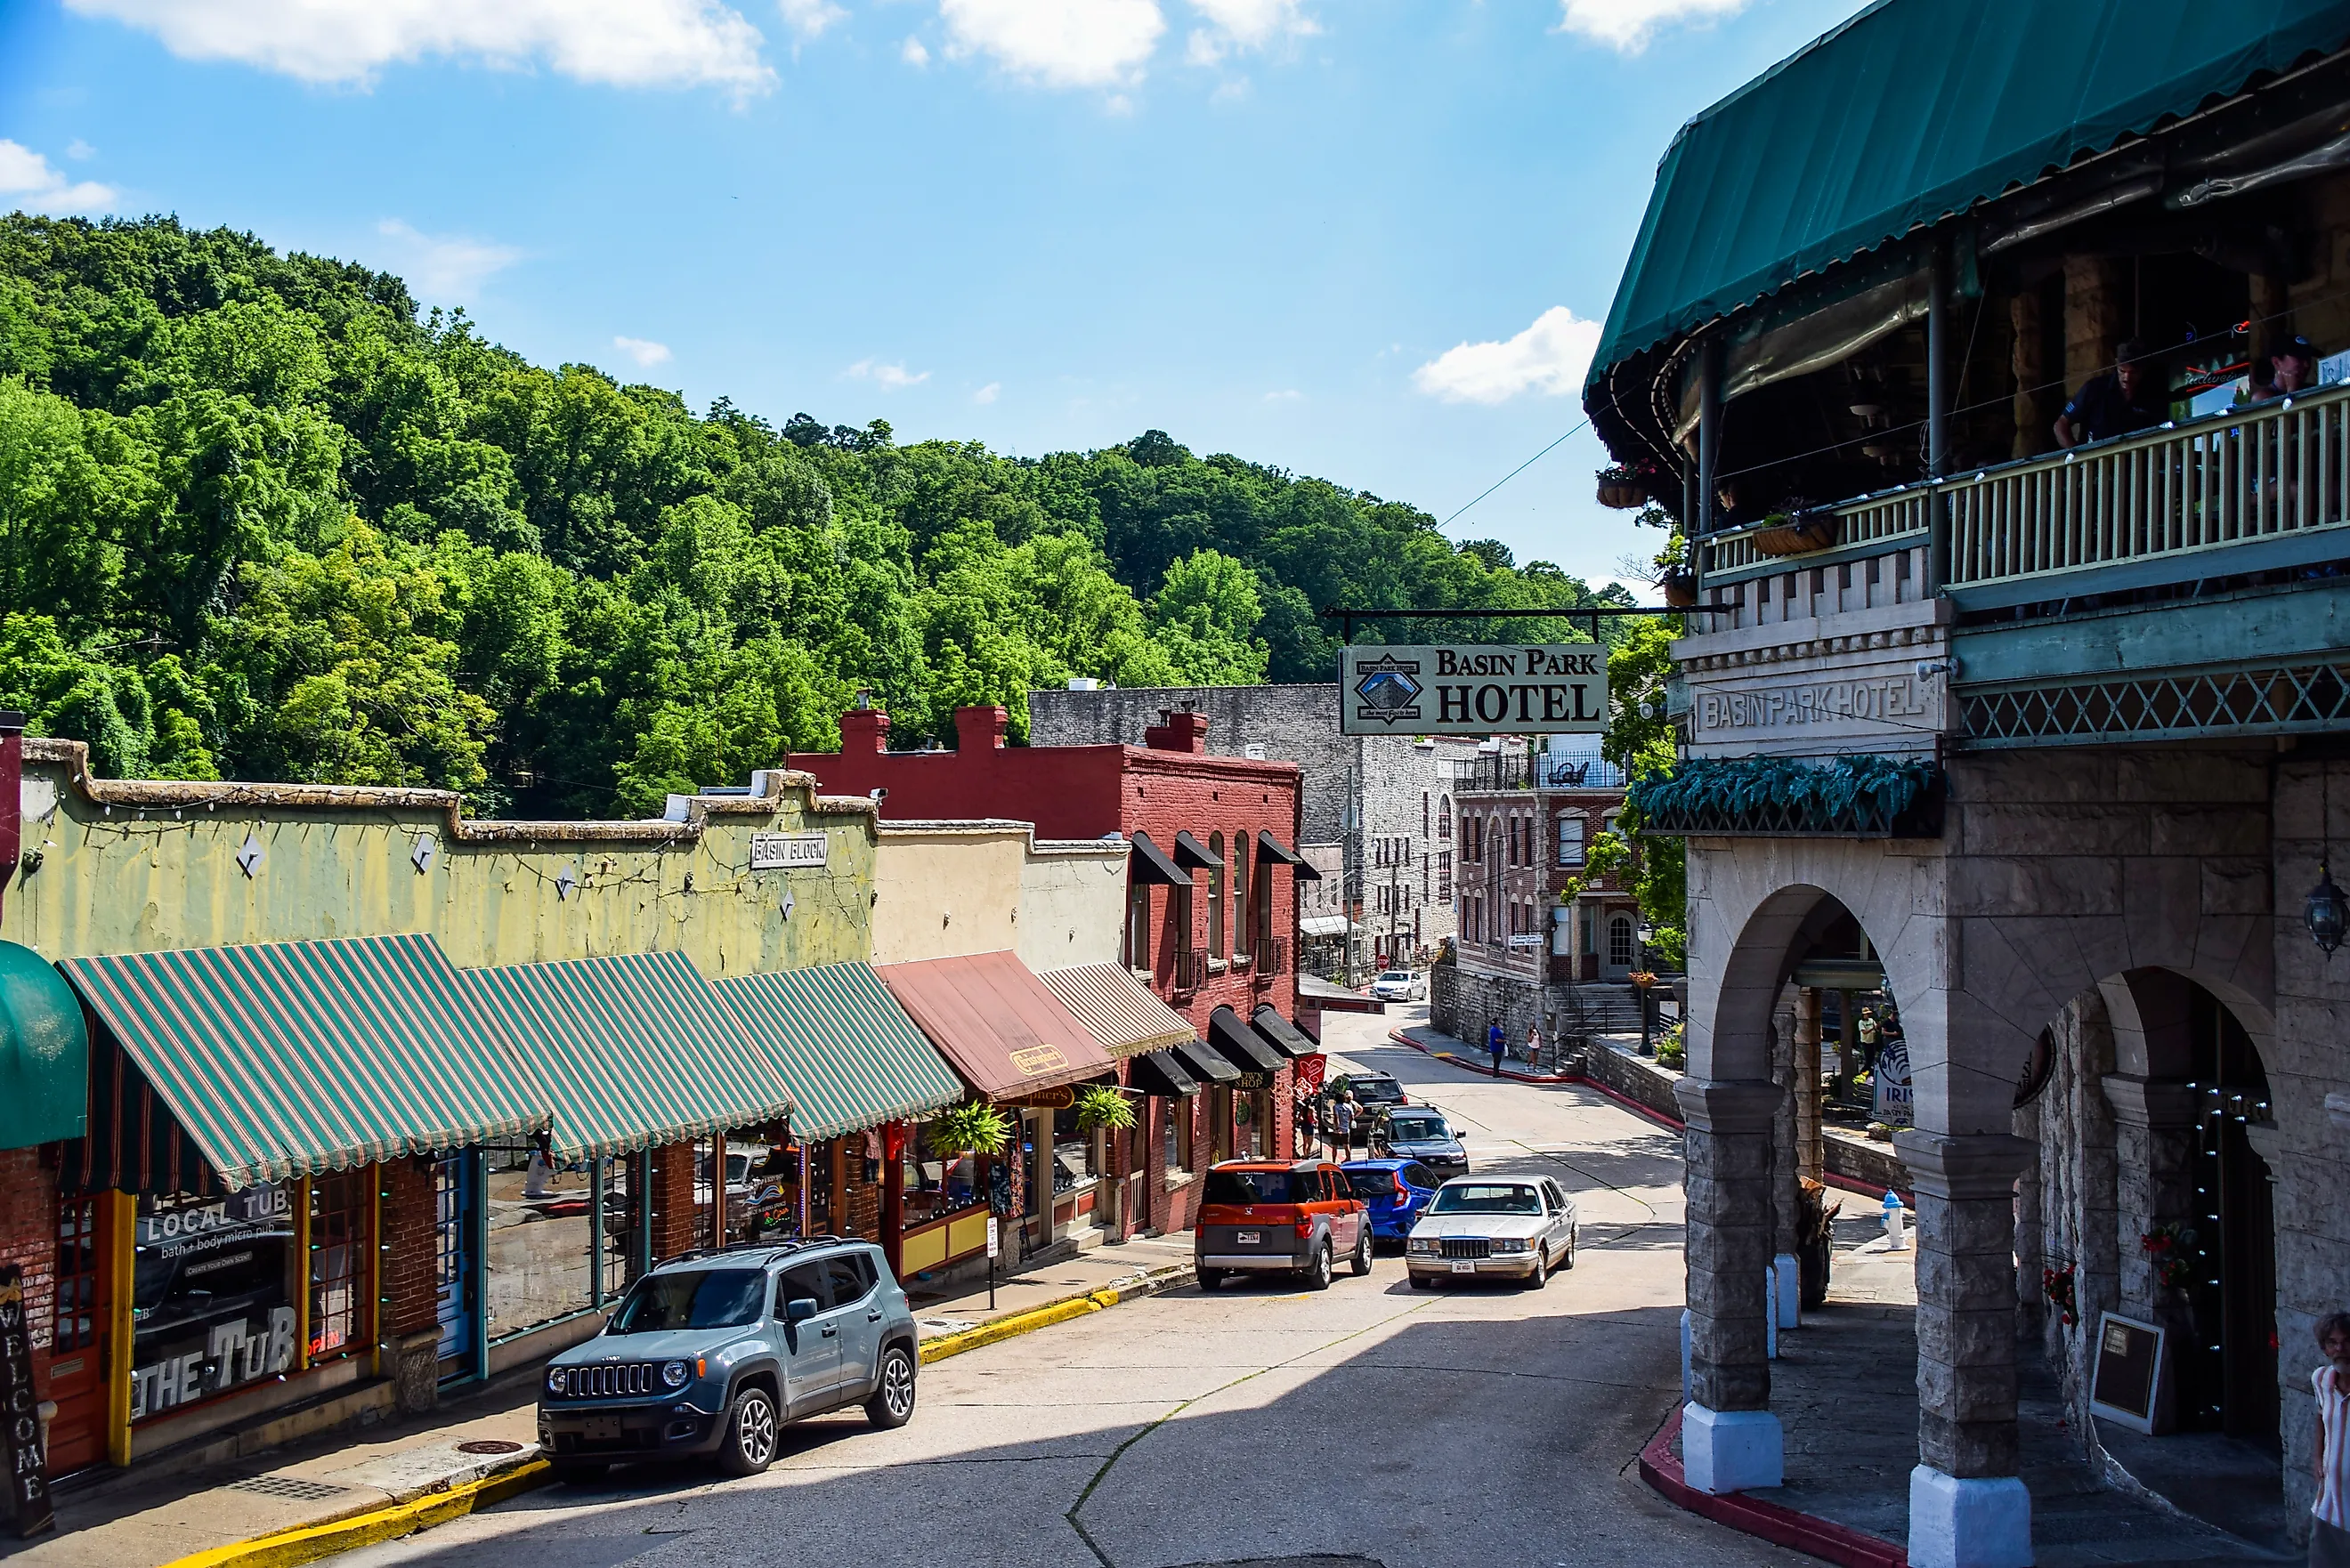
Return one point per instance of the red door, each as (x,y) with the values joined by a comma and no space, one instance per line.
(77,1348)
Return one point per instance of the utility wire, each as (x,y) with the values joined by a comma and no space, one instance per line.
(1519,470)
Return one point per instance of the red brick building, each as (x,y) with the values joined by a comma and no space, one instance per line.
(1211,919)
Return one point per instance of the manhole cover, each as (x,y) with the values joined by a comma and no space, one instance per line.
(489,1446)
(292,1488)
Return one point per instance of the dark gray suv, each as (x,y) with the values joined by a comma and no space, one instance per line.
(709,1356)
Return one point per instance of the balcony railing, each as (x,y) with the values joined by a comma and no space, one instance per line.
(1191,968)
(1541,770)
(1272,958)
(2274,472)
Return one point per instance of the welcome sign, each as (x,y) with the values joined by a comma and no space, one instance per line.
(1472,689)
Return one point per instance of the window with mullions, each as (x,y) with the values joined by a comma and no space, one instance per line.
(1570,839)
(541,1261)
(342,1240)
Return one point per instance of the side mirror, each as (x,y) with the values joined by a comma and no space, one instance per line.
(799,1309)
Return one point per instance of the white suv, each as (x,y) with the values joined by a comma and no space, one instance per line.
(1401,985)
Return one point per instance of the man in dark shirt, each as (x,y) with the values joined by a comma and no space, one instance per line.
(2115,403)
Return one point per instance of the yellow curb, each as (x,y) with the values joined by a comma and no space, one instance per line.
(1021,1323)
(312,1543)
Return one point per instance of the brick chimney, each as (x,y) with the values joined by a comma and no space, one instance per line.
(12,795)
(1178,730)
(979,729)
(864,732)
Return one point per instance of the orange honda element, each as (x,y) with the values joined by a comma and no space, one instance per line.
(1296,1216)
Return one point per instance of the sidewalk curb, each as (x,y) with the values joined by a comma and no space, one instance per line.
(1771,1522)
(310,1542)
(1071,1306)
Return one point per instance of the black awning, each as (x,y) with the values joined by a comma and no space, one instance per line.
(1268,846)
(1159,1072)
(1242,1046)
(1205,1063)
(1285,1036)
(1190,851)
(1151,864)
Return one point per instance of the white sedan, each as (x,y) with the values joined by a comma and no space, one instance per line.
(1401,985)
(1521,1227)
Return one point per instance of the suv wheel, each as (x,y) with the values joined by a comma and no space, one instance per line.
(752,1434)
(1318,1272)
(1361,1262)
(1211,1278)
(892,1404)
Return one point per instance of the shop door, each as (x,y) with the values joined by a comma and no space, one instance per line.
(77,1367)
(455,1279)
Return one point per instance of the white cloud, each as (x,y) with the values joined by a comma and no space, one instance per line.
(623,43)
(1628,25)
(450,267)
(986,394)
(1244,24)
(643,350)
(78,150)
(888,378)
(27,183)
(912,52)
(1286,395)
(810,18)
(1060,43)
(1550,357)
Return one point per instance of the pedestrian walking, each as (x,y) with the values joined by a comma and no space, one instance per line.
(1534,1045)
(1496,1045)
(1342,1126)
(2329,1531)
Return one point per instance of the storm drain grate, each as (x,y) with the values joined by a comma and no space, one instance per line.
(294,1489)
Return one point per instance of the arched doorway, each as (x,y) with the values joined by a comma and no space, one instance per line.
(2227,1374)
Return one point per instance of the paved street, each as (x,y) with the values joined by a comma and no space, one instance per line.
(1373,1424)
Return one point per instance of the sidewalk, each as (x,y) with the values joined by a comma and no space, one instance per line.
(362,1479)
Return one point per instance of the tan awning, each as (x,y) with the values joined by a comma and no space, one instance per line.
(1002,1029)
(1118,1009)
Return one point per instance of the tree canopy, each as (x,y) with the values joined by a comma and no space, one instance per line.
(262,517)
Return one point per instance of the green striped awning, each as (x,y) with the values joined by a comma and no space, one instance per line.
(851,1056)
(637,1050)
(287,1059)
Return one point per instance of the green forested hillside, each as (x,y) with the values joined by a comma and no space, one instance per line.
(260,518)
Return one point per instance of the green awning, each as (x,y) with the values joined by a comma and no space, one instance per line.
(291,1058)
(1912,110)
(636,1049)
(43,1052)
(852,1057)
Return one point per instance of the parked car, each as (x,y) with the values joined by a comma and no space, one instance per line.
(1299,1216)
(711,1353)
(1420,1133)
(1401,985)
(1519,1228)
(1394,1192)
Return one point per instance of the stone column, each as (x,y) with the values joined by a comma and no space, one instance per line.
(1811,1152)
(1786,1197)
(2153,1149)
(1968,1508)
(1729,1439)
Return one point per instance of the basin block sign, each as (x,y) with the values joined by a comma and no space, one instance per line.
(20,1404)
(1896,1096)
(1472,689)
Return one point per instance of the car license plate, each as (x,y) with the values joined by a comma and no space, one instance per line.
(1462,1266)
(1251,1237)
(601,1429)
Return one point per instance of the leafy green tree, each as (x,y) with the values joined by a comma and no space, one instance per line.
(1203,615)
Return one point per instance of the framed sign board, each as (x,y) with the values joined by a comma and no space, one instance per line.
(1519,689)
(2126,1385)
(20,1437)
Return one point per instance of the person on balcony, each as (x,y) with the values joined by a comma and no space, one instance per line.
(2292,368)
(2115,403)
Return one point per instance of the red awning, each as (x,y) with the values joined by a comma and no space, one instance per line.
(996,1022)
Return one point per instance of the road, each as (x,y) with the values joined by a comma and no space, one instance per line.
(1369,1425)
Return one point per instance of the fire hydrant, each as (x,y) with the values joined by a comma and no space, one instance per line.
(1895,1241)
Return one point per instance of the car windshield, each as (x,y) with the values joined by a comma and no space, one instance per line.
(1262,1186)
(698,1298)
(1397,975)
(1370,1184)
(1417,1128)
(1483,1199)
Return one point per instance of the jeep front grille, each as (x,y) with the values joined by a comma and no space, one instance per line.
(607,1382)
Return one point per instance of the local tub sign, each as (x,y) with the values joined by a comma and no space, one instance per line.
(1480,689)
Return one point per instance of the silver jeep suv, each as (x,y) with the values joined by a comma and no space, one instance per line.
(712,1352)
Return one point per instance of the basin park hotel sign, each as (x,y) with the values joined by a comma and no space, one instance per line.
(1454,690)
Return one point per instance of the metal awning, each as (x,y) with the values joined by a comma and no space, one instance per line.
(1271,848)
(636,1049)
(1232,1037)
(1115,1009)
(1151,864)
(1205,1063)
(1004,1031)
(1159,1072)
(842,1045)
(1191,853)
(1280,1034)
(1324,926)
(283,1059)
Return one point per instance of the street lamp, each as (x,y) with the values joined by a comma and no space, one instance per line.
(2325,913)
(1643,934)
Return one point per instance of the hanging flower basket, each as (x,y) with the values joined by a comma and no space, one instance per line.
(2167,1248)
(1681,589)
(1620,489)
(1800,536)
(2056,1284)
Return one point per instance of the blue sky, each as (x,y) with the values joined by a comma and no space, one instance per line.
(1363,239)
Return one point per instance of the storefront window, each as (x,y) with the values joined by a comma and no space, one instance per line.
(541,1254)
(213,1299)
(619,1224)
(938,1186)
(342,1207)
(1073,1154)
(762,1195)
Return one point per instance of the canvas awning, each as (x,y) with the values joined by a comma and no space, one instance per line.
(1280,1034)
(842,1045)
(1244,1047)
(1115,1009)
(1151,864)
(1190,852)
(1159,1072)
(636,1049)
(284,1059)
(1324,926)
(1910,112)
(1003,1030)
(43,1052)
(1272,848)
(1205,1063)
